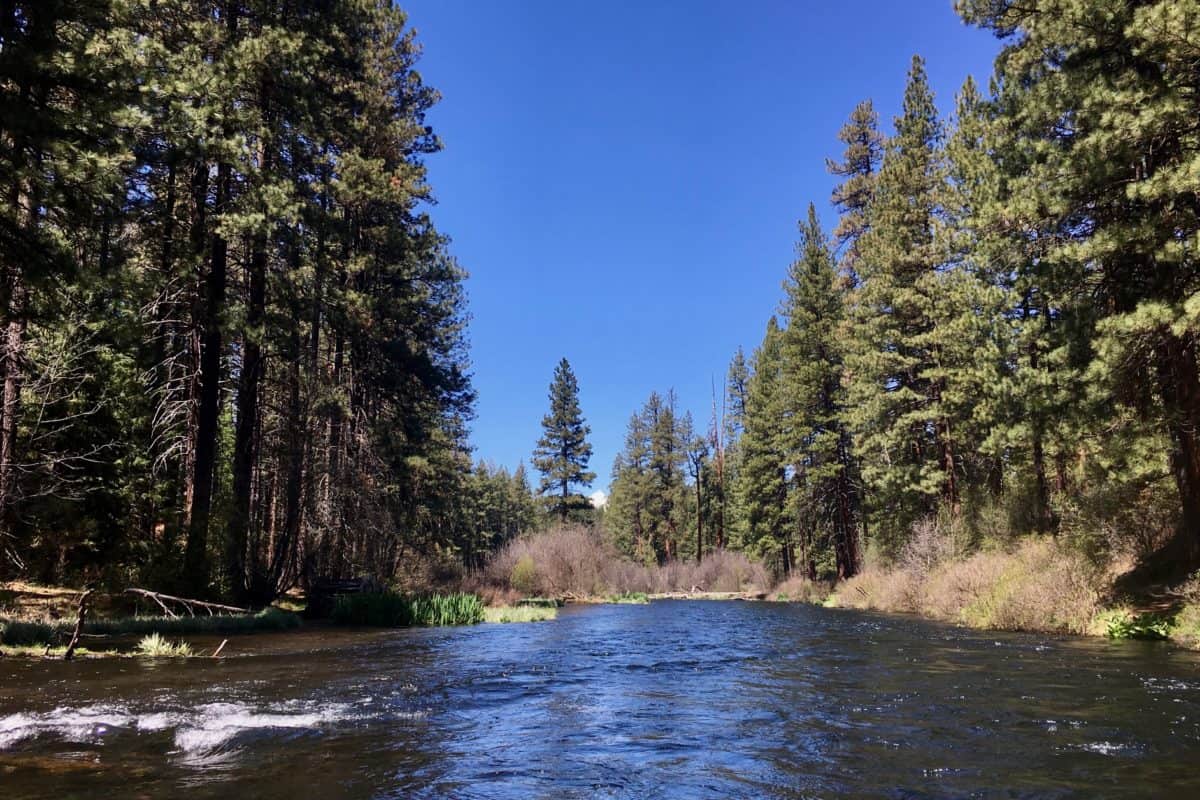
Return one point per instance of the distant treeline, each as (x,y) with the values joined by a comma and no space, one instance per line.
(233,350)
(1000,331)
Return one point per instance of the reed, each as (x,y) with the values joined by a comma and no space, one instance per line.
(392,610)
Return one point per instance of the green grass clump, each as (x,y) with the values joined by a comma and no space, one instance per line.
(633,598)
(392,610)
(20,633)
(519,614)
(155,646)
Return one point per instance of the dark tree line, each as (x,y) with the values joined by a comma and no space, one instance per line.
(233,341)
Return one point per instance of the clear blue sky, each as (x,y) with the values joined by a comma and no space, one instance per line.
(622,180)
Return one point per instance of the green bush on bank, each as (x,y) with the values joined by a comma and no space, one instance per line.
(393,610)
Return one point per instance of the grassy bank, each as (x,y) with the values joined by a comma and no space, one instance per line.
(1035,584)
(24,632)
(519,613)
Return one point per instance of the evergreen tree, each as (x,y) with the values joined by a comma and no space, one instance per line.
(66,117)
(905,448)
(814,438)
(649,503)
(628,515)
(1097,150)
(563,452)
(858,169)
(761,485)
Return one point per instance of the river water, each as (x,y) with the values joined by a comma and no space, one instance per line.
(671,700)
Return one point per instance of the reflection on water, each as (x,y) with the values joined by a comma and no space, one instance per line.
(674,699)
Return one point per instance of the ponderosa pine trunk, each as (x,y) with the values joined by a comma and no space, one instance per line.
(196,567)
(10,404)
(245,434)
(1179,383)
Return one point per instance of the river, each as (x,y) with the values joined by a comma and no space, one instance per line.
(671,700)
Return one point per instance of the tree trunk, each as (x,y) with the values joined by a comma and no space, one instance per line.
(846,552)
(1179,383)
(208,415)
(238,530)
(10,404)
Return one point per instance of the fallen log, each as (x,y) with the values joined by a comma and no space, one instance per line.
(190,605)
(82,614)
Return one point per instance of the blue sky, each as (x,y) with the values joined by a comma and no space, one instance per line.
(622,180)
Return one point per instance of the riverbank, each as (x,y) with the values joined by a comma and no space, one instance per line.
(1036,584)
(38,621)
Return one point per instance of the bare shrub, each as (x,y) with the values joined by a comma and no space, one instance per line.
(954,585)
(578,561)
(881,589)
(556,562)
(722,571)
(1189,590)
(930,544)
(801,590)
(727,571)
(1044,586)
(1039,585)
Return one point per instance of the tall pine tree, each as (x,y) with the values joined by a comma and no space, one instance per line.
(563,452)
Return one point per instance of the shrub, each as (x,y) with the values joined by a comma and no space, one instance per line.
(1042,586)
(876,588)
(576,561)
(801,590)
(1122,623)
(631,598)
(1187,625)
(524,575)
(1039,585)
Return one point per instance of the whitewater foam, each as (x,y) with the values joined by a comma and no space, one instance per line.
(197,730)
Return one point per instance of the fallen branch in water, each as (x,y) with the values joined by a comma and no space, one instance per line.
(83,609)
(190,605)
(220,647)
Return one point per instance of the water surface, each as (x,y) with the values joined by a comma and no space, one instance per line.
(671,700)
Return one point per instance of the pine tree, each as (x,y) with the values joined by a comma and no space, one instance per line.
(903,446)
(628,514)
(859,169)
(814,438)
(973,337)
(1098,154)
(563,452)
(65,130)
(761,485)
